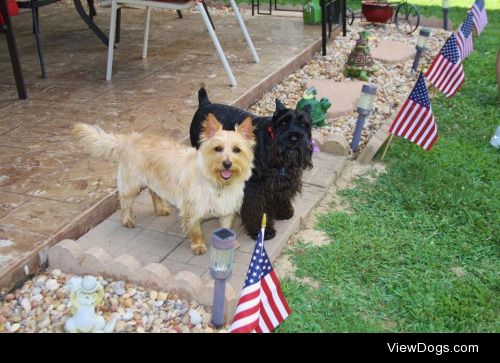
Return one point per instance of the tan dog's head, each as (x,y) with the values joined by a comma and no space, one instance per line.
(226,156)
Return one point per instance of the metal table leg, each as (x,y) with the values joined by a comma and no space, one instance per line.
(88,20)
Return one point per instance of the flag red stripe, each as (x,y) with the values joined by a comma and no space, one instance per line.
(246,313)
(428,124)
(398,121)
(247,297)
(418,127)
(430,136)
(411,118)
(274,309)
(420,114)
(264,318)
(280,293)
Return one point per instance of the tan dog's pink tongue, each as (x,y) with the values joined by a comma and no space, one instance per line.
(226,174)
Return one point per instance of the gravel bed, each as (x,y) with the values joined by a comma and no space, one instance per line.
(394,81)
(42,305)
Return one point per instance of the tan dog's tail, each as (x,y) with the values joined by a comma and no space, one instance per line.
(99,143)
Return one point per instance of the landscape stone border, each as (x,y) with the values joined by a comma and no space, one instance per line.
(68,256)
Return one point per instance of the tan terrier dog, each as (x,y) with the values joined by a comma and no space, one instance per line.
(202,183)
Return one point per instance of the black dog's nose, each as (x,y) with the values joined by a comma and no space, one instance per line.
(294,137)
(227,164)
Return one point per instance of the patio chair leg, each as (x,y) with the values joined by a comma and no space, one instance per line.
(92,11)
(146,33)
(118,25)
(244,30)
(111,44)
(208,14)
(179,14)
(215,40)
(14,56)
(36,27)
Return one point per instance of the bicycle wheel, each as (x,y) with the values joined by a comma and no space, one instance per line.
(407,18)
(349,16)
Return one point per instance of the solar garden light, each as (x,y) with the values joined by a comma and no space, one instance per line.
(445,6)
(365,105)
(423,37)
(221,267)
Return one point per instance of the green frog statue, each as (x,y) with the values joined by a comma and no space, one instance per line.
(318,108)
(360,62)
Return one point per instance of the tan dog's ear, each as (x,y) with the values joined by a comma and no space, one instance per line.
(245,129)
(210,127)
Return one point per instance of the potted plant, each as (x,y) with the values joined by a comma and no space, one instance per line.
(378,11)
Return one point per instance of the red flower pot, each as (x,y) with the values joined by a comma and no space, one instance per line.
(376,12)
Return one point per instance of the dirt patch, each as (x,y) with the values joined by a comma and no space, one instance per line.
(331,202)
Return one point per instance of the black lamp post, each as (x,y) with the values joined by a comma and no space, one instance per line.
(446,5)
(365,105)
(221,267)
(423,37)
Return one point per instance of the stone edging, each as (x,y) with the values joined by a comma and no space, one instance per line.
(68,256)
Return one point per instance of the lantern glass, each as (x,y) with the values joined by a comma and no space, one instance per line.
(366,101)
(446,4)
(221,261)
(423,37)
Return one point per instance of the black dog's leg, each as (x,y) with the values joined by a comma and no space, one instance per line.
(283,208)
(254,206)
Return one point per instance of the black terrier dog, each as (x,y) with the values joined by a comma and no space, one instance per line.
(283,151)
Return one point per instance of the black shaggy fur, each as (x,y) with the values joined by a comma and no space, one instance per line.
(282,152)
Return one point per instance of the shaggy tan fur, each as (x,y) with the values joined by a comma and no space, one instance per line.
(202,183)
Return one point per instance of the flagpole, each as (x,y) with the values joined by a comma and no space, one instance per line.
(387,146)
(263,225)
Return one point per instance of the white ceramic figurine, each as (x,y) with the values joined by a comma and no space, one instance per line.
(86,294)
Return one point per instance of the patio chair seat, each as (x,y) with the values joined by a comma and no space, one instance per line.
(173,5)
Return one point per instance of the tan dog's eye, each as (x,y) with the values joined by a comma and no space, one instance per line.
(236,149)
(218,149)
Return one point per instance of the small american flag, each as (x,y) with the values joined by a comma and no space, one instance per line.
(446,71)
(464,37)
(415,121)
(479,15)
(262,306)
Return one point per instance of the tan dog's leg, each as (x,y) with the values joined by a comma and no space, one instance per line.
(194,232)
(227,221)
(126,201)
(128,190)
(160,207)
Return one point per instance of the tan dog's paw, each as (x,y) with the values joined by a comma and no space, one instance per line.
(128,223)
(163,211)
(198,249)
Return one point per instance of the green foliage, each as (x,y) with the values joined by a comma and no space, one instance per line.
(418,250)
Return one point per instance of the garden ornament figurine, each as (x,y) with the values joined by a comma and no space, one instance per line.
(86,294)
(318,108)
(360,62)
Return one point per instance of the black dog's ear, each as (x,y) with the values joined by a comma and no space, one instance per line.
(279,106)
(307,109)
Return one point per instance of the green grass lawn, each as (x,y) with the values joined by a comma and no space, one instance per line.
(419,249)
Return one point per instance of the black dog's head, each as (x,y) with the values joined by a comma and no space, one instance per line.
(291,132)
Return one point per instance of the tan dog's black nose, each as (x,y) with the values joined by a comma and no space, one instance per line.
(227,164)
